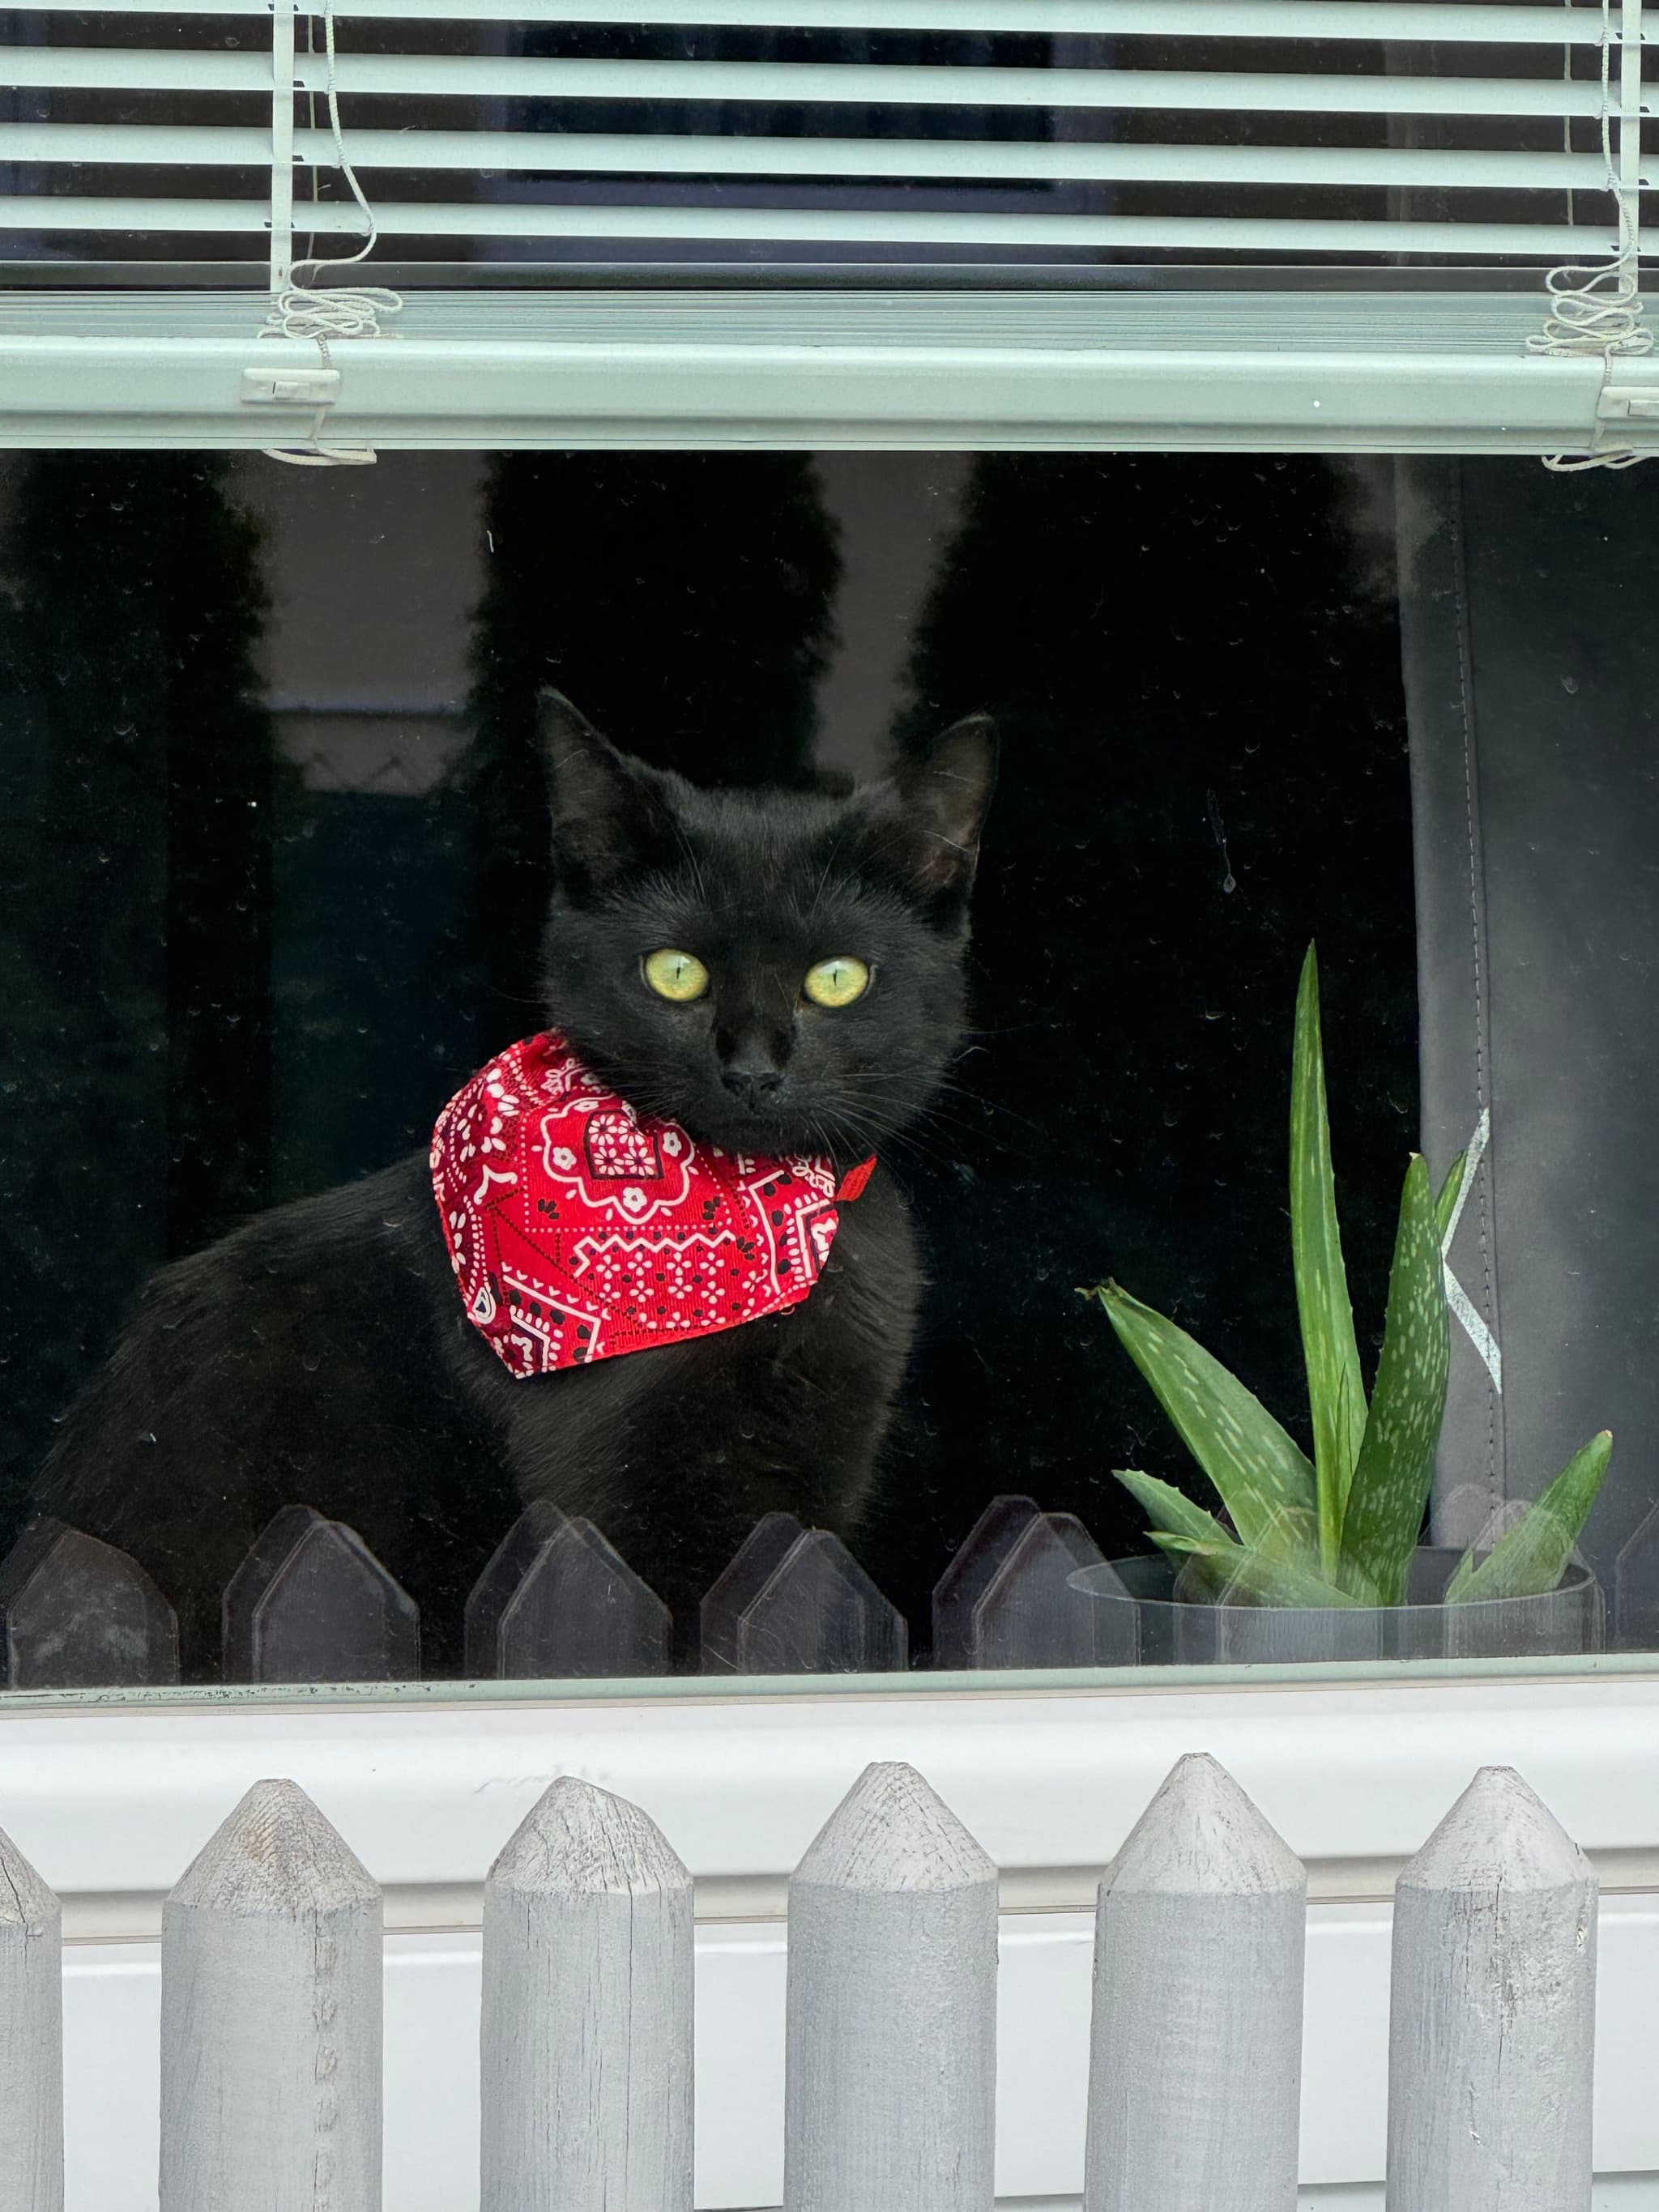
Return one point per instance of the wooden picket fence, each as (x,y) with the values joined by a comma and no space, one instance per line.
(270,2013)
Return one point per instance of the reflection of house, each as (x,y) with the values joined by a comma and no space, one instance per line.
(374,576)
(707,163)
(373,583)
(367,652)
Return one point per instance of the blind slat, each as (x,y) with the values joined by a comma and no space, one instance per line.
(1372,20)
(1445,21)
(954,161)
(801,225)
(787,83)
(718,152)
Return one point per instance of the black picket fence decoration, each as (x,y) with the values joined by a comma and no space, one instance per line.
(557,1602)
(1006,1598)
(794,1601)
(76,1614)
(312,1603)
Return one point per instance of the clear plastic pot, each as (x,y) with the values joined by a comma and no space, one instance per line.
(1173,1631)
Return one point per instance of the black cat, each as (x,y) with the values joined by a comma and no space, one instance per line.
(321,1355)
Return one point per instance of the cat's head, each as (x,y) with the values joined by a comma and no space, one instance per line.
(776,972)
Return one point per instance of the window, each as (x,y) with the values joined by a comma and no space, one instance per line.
(1158,383)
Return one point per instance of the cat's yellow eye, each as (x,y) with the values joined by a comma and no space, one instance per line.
(680,976)
(836,982)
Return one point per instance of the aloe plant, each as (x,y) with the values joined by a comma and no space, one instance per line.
(1340,1530)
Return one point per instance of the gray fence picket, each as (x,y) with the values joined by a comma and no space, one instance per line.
(500,1583)
(586,2046)
(558,1602)
(820,1613)
(312,1603)
(1030,1616)
(1005,1599)
(31,2037)
(270,2017)
(77,1615)
(1635,1588)
(725,1603)
(1492,2039)
(1195,2059)
(890,2052)
(973,1564)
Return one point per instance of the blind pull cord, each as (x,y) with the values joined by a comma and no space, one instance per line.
(300,309)
(1598,310)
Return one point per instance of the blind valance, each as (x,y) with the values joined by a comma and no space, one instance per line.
(1452,151)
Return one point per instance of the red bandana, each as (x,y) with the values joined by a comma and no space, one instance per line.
(578,1229)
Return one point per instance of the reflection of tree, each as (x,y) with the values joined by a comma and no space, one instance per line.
(682,600)
(134,789)
(1150,632)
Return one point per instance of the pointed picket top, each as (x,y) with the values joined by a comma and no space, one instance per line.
(77,1615)
(727,1603)
(312,1603)
(1498,1834)
(973,1564)
(818,1613)
(580,1840)
(503,1575)
(890,1831)
(1201,1835)
(1635,1588)
(25,1900)
(275,1854)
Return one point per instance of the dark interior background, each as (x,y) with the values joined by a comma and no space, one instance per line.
(234,969)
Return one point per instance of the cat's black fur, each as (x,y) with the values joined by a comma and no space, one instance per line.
(321,1355)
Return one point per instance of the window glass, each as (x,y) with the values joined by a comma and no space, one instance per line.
(469,925)
(495,151)
(277,856)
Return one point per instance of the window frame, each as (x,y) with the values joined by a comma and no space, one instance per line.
(111,1798)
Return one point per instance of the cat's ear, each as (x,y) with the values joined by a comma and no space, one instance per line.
(930,810)
(611,819)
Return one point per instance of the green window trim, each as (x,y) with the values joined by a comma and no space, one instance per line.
(1262,371)
(1336,357)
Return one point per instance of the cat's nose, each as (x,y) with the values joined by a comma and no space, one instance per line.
(754,1085)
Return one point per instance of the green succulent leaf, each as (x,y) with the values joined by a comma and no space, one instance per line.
(1175,1522)
(1391,1479)
(1447,1197)
(1336,1389)
(1268,1581)
(1530,1560)
(1259,1472)
(1168,1508)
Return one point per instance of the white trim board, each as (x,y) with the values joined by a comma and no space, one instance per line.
(117,1800)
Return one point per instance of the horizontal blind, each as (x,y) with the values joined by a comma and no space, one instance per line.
(800,133)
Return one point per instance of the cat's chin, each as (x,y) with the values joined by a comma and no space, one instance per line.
(754,1135)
